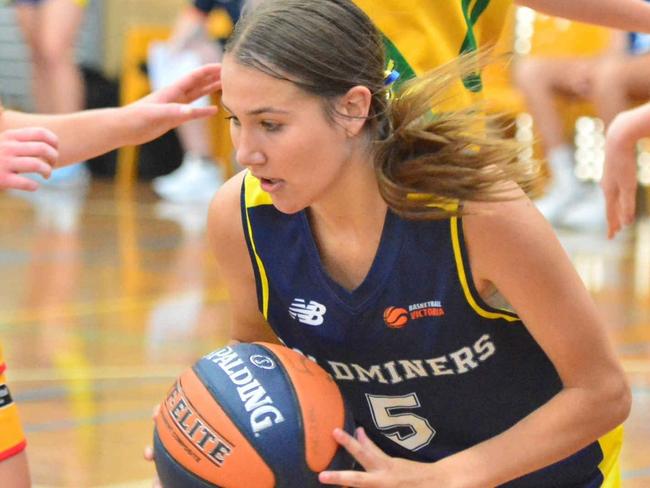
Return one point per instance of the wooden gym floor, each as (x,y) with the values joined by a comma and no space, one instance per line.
(104,300)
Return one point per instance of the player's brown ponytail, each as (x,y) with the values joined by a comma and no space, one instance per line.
(432,157)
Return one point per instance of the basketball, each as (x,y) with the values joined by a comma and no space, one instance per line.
(395,317)
(250,415)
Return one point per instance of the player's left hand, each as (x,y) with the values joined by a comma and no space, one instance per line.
(148,453)
(169,107)
(381,470)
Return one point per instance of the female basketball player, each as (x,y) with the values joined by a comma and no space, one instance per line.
(31,143)
(392,245)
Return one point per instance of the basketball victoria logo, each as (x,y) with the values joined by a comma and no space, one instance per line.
(397,317)
(312,313)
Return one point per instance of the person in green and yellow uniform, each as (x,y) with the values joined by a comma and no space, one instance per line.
(423,34)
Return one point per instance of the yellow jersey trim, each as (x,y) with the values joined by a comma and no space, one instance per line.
(462,276)
(610,466)
(254,196)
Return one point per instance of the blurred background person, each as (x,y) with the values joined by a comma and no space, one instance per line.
(50,29)
(611,82)
(191,45)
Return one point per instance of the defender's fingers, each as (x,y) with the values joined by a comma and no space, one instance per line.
(28,134)
(148,453)
(31,165)
(37,149)
(17,182)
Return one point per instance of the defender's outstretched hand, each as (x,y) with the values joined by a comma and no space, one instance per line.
(86,134)
(170,107)
(27,150)
(196,84)
(619,181)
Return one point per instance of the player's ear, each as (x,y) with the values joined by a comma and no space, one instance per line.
(354,107)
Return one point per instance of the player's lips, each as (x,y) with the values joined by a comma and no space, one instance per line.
(269,184)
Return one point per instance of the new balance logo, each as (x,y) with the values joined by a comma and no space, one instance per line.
(311,313)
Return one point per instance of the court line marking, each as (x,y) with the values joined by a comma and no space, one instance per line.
(21,316)
(85,421)
(103,373)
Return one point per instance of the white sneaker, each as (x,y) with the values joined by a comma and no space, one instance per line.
(189,160)
(587,213)
(563,189)
(196,180)
(558,200)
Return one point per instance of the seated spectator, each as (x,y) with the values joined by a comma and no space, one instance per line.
(190,45)
(611,81)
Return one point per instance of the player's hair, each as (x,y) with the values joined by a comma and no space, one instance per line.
(424,156)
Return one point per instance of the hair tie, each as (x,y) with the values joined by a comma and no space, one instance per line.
(391,75)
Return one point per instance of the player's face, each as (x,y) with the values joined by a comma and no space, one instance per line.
(283,136)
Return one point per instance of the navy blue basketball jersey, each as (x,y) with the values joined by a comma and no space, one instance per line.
(428,368)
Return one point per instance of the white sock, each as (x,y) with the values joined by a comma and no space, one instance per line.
(192,159)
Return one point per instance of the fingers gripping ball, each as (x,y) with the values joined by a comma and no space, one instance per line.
(250,415)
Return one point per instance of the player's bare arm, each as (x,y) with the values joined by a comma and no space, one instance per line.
(554,305)
(226,236)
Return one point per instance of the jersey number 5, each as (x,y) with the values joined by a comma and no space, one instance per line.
(390,415)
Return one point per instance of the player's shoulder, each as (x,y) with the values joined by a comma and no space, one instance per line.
(505,234)
(511,214)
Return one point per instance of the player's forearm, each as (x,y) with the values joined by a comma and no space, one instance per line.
(570,421)
(82,135)
(628,15)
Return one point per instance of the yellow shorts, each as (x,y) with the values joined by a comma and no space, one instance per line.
(12,438)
